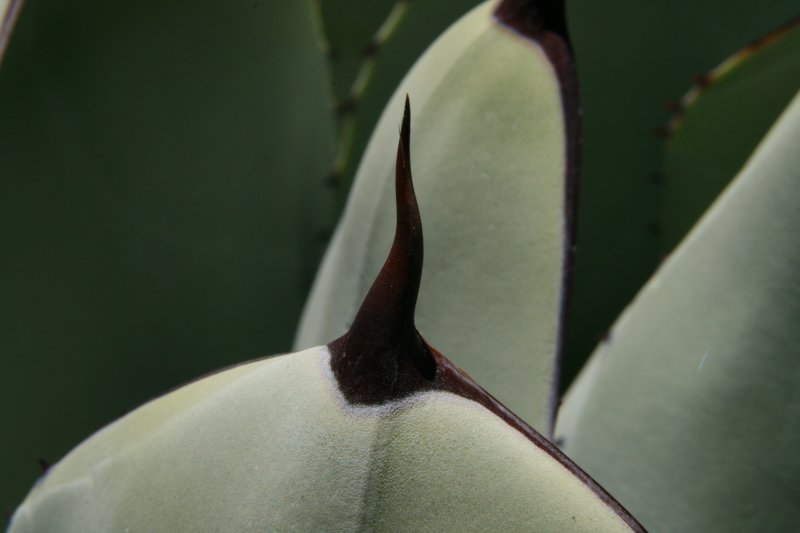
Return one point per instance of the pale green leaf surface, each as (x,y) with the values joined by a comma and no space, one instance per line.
(720,126)
(689,413)
(633,57)
(274,446)
(161,169)
(488,157)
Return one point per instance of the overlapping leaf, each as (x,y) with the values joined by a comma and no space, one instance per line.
(327,439)
(491,165)
(633,58)
(720,122)
(688,413)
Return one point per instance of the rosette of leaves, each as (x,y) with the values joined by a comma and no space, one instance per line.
(497,135)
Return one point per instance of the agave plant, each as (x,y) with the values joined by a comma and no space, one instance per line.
(377,429)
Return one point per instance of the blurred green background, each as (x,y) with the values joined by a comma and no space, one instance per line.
(170,172)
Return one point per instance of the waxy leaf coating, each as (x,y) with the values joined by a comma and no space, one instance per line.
(374,432)
(689,411)
(496,112)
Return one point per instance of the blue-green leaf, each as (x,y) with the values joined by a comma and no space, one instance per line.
(689,412)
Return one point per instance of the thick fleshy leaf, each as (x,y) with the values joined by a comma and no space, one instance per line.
(375,431)
(161,170)
(494,157)
(633,58)
(238,452)
(689,412)
(720,123)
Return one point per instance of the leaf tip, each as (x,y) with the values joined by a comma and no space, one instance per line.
(382,357)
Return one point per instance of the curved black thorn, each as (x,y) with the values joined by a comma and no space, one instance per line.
(382,356)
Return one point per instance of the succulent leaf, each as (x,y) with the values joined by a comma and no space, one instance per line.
(633,59)
(497,115)
(352,36)
(299,442)
(162,167)
(688,412)
(720,122)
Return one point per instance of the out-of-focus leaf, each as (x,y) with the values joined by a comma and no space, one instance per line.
(492,150)
(349,30)
(689,414)
(633,57)
(367,65)
(161,166)
(720,123)
(9,11)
